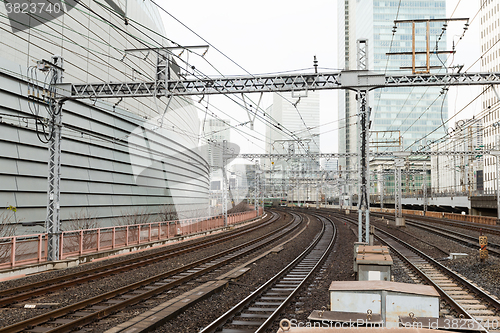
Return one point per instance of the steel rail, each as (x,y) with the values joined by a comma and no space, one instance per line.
(492,302)
(457,307)
(238,308)
(27,291)
(467,240)
(276,313)
(461,238)
(486,228)
(80,322)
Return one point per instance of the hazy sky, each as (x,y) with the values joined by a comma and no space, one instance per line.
(279,36)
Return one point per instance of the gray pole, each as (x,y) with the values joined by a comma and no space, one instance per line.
(255,189)
(53,222)
(364,127)
(224,182)
(397,191)
(382,191)
(399,163)
(497,153)
(364,176)
(424,182)
(498,186)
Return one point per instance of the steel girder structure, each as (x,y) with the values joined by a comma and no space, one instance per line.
(360,81)
(374,154)
(52,221)
(353,80)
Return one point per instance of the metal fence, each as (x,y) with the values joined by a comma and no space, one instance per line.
(31,249)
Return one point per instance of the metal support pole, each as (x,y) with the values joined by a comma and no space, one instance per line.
(424,183)
(455,187)
(255,203)
(53,222)
(364,175)
(341,195)
(498,186)
(399,163)
(224,183)
(261,191)
(317,196)
(382,192)
(298,199)
(498,177)
(325,190)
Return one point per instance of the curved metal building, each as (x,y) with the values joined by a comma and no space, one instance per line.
(136,157)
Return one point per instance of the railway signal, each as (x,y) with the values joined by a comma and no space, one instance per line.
(483,251)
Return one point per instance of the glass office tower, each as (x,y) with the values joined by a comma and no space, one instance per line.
(409,113)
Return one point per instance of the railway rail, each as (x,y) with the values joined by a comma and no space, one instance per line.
(465,298)
(25,292)
(464,239)
(485,228)
(259,310)
(78,315)
(459,237)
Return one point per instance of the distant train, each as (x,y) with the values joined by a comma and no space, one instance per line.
(275,202)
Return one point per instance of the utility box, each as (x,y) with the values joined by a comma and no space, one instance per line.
(400,222)
(356,246)
(389,299)
(373,263)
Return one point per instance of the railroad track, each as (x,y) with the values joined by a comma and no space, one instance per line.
(77,315)
(258,311)
(485,228)
(466,299)
(28,291)
(464,239)
(459,237)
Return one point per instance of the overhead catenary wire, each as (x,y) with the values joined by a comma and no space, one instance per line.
(445,89)
(460,39)
(82,56)
(222,53)
(259,116)
(271,127)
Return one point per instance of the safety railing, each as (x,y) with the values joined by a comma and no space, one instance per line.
(452,216)
(32,249)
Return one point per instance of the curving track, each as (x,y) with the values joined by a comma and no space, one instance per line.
(463,297)
(260,310)
(24,292)
(82,313)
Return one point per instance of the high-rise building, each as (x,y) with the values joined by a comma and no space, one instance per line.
(490,62)
(216,131)
(299,115)
(409,113)
(296,130)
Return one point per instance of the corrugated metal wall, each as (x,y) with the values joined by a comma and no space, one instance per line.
(114,163)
